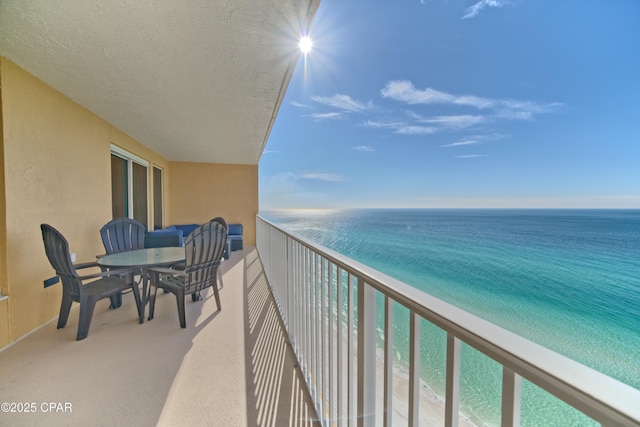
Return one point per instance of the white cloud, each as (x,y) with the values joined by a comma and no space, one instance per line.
(470,156)
(475,9)
(490,137)
(456,122)
(299,104)
(381,124)
(329,177)
(401,128)
(364,148)
(523,110)
(344,102)
(325,116)
(412,123)
(405,91)
(415,130)
(462,142)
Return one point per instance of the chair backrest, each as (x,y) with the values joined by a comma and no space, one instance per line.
(122,234)
(57,249)
(221,221)
(203,253)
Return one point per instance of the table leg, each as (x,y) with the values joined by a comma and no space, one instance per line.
(116,301)
(145,293)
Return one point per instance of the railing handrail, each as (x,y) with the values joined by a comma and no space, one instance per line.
(592,392)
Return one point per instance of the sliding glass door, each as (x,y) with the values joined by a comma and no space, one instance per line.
(129,186)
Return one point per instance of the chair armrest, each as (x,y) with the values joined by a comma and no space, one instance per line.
(82,265)
(121,272)
(157,273)
(166,271)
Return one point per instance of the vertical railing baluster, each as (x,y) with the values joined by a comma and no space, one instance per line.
(511,394)
(291,292)
(388,362)
(320,337)
(366,354)
(350,352)
(307,289)
(452,397)
(340,350)
(282,265)
(323,339)
(318,334)
(301,315)
(298,286)
(295,301)
(332,383)
(301,308)
(314,328)
(312,368)
(301,320)
(296,292)
(414,370)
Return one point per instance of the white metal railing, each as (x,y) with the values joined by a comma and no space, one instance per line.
(328,305)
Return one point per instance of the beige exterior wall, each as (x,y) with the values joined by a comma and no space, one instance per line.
(202,191)
(55,168)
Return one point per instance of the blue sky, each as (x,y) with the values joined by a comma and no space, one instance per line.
(461,103)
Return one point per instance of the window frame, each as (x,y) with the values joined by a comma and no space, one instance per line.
(131,158)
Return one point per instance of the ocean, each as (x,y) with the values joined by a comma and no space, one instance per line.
(566,279)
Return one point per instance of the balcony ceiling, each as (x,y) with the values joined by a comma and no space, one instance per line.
(197,81)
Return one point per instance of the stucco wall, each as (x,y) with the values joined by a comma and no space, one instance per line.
(202,191)
(56,161)
(57,170)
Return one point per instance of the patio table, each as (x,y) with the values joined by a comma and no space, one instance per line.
(144,259)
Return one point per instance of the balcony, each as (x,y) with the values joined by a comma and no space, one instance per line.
(228,368)
(75,85)
(272,356)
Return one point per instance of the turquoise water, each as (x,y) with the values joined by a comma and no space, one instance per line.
(566,279)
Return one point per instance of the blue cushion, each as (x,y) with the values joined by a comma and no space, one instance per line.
(235,236)
(235,229)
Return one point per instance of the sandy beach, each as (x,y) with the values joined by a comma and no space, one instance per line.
(431,412)
(432,406)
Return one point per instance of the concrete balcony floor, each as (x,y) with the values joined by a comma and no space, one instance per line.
(228,368)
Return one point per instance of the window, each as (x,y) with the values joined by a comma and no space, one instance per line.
(129,195)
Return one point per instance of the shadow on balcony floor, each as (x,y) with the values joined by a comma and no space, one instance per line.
(228,368)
